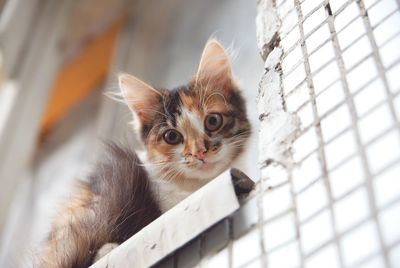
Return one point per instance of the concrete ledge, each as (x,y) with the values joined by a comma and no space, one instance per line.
(181,224)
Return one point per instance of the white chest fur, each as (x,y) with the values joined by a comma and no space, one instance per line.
(168,194)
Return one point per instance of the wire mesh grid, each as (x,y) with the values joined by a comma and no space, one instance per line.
(336,202)
(341,204)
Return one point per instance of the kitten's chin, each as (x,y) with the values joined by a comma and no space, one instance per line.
(206,171)
(207,166)
(211,168)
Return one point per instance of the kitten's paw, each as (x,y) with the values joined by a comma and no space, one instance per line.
(104,250)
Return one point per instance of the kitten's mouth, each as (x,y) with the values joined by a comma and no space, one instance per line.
(203,165)
(207,166)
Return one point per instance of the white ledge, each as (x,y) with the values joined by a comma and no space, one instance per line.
(210,204)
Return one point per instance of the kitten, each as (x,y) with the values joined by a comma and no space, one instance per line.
(191,134)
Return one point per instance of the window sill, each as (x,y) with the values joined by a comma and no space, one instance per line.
(207,206)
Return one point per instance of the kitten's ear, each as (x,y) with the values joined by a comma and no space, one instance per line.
(214,64)
(142,99)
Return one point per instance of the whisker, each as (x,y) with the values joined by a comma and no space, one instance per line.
(115,96)
(218,94)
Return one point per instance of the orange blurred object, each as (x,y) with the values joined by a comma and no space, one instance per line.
(81,76)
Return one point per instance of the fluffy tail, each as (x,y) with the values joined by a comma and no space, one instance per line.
(114,205)
(76,236)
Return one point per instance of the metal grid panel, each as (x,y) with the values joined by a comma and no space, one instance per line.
(339,66)
(334,200)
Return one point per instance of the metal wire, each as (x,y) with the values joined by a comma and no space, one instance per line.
(362,146)
(300,84)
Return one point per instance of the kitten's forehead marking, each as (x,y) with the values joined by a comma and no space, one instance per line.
(193,120)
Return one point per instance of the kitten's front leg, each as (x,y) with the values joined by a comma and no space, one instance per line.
(104,250)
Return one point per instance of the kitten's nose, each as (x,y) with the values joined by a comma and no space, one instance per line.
(201,154)
(196,149)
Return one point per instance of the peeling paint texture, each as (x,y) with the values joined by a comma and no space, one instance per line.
(176,227)
(268,25)
(278,128)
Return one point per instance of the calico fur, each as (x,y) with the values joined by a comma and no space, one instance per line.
(125,193)
(112,206)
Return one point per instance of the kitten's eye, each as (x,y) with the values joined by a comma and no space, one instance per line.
(213,122)
(172,137)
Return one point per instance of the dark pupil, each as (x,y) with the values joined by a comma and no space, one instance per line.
(213,121)
(172,136)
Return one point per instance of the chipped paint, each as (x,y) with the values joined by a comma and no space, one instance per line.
(278,127)
(268,24)
(176,227)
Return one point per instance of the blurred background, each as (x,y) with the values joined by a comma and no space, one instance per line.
(329,106)
(57,58)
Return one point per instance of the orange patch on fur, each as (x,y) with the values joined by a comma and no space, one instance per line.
(188,101)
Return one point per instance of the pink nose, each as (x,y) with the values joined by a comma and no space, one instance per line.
(200,154)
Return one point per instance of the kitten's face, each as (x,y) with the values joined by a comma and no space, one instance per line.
(194,131)
(198,131)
